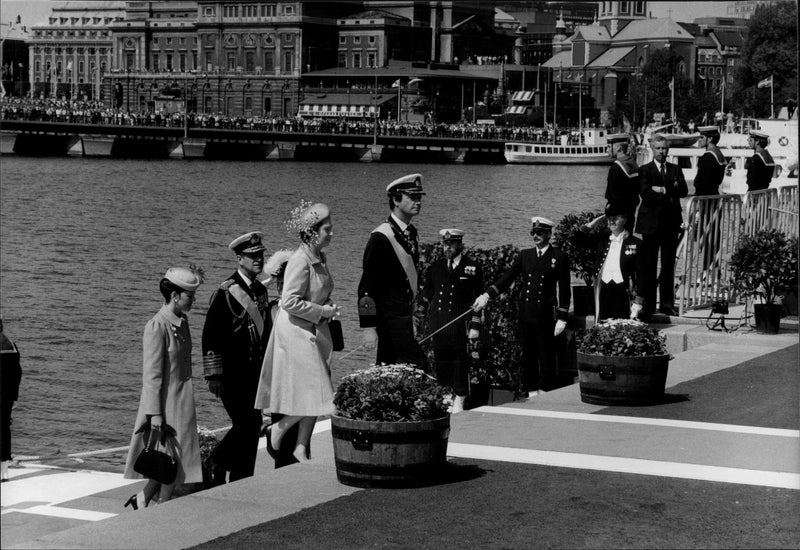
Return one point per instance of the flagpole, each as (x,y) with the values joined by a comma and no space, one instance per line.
(672,100)
(772,95)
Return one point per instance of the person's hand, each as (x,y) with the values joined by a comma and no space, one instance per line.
(370,338)
(659,189)
(480,302)
(156,421)
(329,311)
(474,334)
(560,326)
(215,387)
(635,310)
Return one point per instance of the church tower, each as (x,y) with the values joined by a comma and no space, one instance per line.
(561,35)
(615,15)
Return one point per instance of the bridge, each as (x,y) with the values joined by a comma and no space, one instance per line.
(37,138)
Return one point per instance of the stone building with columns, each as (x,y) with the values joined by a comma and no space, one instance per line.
(70,53)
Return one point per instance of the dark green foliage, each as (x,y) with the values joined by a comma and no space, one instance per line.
(496,361)
(582,259)
(765,264)
(622,338)
(391,393)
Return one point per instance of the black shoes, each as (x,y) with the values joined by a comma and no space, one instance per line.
(668,310)
(270,449)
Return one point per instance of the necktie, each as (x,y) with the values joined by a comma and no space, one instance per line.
(538,253)
(663,172)
(449,266)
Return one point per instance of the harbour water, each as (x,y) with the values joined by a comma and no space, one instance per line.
(84,242)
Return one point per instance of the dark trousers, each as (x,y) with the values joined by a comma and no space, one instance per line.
(614,301)
(396,342)
(5,442)
(452,369)
(237,450)
(665,242)
(539,363)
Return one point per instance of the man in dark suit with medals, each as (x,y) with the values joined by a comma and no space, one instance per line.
(389,279)
(543,305)
(662,186)
(235,337)
(450,287)
(761,166)
(622,187)
(711,166)
(616,289)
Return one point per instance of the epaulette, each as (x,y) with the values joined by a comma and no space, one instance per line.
(226,284)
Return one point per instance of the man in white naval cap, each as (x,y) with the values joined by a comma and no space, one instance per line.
(761,166)
(543,305)
(711,165)
(622,186)
(235,337)
(389,278)
(449,288)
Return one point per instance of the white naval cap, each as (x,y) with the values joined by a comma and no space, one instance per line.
(183,278)
(248,243)
(411,183)
(451,234)
(537,222)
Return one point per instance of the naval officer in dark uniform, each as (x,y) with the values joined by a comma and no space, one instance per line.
(711,165)
(450,286)
(389,279)
(235,336)
(761,166)
(622,187)
(543,305)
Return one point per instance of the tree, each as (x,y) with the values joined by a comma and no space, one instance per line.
(652,87)
(770,49)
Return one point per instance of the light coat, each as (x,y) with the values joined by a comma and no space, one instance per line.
(296,372)
(167,390)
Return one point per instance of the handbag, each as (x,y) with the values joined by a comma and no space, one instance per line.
(337,338)
(153,462)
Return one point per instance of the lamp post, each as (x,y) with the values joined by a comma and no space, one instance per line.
(265,86)
(228,86)
(283,105)
(244,91)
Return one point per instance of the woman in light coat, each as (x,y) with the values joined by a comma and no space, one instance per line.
(296,373)
(167,391)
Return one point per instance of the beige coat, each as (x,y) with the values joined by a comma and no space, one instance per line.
(296,373)
(167,390)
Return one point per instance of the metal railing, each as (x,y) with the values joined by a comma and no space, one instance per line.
(714,225)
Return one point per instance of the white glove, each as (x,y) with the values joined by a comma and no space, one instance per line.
(560,326)
(480,302)
(474,334)
(330,311)
(369,338)
(635,310)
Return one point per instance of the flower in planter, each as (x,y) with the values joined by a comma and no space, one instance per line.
(765,264)
(391,393)
(622,338)
(208,442)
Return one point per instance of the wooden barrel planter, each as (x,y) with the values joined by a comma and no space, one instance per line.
(622,380)
(389,454)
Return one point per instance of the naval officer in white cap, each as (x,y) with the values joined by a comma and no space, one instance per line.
(543,305)
(450,286)
(235,338)
(761,166)
(389,278)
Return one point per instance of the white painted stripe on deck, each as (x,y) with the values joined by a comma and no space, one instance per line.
(61,512)
(660,468)
(639,420)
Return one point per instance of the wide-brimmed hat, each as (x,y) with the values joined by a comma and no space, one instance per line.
(183,278)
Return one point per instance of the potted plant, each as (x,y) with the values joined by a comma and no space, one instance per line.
(582,258)
(390,428)
(764,265)
(622,362)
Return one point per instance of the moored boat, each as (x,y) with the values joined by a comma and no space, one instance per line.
(593,150)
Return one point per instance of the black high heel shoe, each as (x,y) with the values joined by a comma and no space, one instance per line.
(132,502)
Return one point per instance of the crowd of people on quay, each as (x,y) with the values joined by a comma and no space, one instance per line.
(95,112)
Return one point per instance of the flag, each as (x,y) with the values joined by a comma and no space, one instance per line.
(414,81)
(766,83)
(69,65)
(396,83)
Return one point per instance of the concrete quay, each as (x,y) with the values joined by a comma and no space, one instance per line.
(61,508)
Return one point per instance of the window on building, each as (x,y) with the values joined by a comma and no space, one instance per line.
(702,70)
(372,39)
(371,60)
(208,11)
(182,60)
(287,61)
(231,57)
(169,40)
(250,61)
(194,60)
(639,8)
(81,67)
(269,10)
(248,104)
(356,60)
(183,40)
(38,65)
(342,59)
(288,37)
(342,39)
(129,61)
(356,40)
(624,9)
(288,10)
(169,61)
(269,60)
(267,107)
(681,67)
